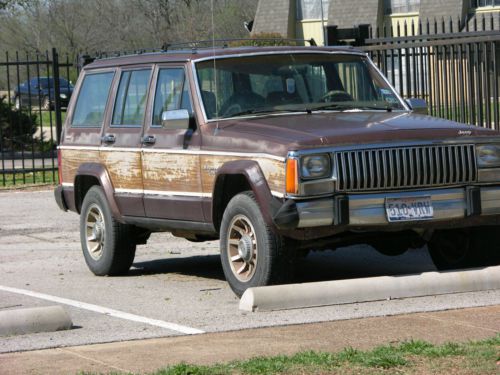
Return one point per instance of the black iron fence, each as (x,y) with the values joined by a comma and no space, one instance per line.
(453,65)
(34,89)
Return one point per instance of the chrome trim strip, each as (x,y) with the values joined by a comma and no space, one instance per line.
(68,184)
(176,151)
(176,193)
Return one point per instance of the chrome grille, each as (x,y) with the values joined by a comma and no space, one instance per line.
(408,167)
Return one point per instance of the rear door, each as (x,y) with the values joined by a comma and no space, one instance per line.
(121,140)
(171,160)
(84,123)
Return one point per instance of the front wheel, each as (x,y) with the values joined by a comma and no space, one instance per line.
(108,246)
(251,253)
(465,248)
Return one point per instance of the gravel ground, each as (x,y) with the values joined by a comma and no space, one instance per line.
(172,280)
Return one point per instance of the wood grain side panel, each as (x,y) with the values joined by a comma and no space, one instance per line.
(124,168)
(72,159)
(273,170)
(171,172)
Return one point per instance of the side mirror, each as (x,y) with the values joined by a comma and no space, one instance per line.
(175,120)
(418,105)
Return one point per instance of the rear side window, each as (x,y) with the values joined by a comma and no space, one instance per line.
(92,99)
(131,98)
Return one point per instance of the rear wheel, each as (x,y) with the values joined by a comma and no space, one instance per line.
(251,253)
(108,246)
(465,248)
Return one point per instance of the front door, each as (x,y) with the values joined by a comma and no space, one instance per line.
(170,159)
(121,140)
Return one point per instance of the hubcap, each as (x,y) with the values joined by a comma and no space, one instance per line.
(96,232)
(242,248)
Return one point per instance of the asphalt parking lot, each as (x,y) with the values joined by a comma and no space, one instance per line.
(175,286)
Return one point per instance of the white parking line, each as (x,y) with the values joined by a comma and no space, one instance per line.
(105,311)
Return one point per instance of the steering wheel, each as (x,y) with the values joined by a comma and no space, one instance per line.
(337,96)
(232,109)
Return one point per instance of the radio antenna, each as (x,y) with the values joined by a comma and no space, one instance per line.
(215,68)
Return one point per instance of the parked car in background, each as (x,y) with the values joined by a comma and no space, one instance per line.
(40,92)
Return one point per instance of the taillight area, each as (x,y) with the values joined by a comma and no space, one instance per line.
(59,166)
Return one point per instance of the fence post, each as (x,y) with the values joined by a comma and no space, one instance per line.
(57,94)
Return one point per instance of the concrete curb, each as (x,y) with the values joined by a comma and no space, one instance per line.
(293,296)
(32,320)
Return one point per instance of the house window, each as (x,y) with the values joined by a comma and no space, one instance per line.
(401,6)
(312,9)
(484,3)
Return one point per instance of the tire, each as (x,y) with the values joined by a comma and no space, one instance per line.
(465,248)
(108,246)
(251,253)
(46,104)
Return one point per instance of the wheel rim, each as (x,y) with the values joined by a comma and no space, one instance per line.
(95,231)
(242,248)
(46,104)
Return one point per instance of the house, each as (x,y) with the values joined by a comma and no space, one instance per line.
(307,19)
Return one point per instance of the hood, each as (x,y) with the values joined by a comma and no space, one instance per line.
(343,128)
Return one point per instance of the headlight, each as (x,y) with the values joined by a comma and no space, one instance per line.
(315,166)
(488,156)
(64,96)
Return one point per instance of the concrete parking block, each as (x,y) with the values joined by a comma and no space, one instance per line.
(33,320)
(293,296)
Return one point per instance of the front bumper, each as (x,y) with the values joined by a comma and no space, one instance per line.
(368,210)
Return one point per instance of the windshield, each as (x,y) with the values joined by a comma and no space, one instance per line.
(292,82)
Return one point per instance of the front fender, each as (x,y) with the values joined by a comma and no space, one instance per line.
(253,174)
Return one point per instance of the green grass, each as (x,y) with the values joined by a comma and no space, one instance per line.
(11,180)
(45,118)
(411,357)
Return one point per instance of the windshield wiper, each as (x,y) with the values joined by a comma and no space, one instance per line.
(347,107)
(265,111)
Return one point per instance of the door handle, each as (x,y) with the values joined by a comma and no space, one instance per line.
(149,140)
(109,139)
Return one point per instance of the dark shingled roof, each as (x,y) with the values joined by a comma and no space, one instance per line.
(349,13)
(275,16)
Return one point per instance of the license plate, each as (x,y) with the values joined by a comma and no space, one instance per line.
(409,209)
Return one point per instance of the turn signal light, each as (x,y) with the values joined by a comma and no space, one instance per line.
(292,177)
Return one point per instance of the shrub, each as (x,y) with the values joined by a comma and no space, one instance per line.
(262,40)
(16,127)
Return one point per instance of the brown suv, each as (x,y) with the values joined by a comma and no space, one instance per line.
(275,151)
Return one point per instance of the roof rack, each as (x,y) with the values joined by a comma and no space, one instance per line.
(226,43)
(87,58)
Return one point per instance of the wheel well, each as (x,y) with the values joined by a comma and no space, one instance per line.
(226,187)
(82,186)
